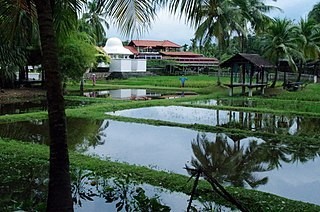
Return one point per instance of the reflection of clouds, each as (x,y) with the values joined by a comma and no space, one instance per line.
(166,148)
(296,181)
(186,115)
(189,115)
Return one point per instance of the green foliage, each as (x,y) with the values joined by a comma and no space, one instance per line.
(160,63)
(76,55)
(314,14)
(94,23)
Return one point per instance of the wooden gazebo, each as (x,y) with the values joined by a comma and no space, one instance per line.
(247,71)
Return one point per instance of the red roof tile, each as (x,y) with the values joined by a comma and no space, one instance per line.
(181,54)
(132,49)
(154,43)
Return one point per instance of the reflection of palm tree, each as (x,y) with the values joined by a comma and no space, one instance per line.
(226,163)
(246,165)
(212,157)
(86,133)
(219,162)
(302,152)
(273,152)
(128,196)
(80,189)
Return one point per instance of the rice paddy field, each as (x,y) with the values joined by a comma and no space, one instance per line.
(130,142)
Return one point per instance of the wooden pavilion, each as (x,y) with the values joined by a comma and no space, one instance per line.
(247,71)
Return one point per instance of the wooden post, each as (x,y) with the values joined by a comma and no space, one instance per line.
(243,79)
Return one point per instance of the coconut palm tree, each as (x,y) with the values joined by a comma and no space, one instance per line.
(220,18)
(94,21)
(252,17)
(314,14)
(309,36)
(280,41)
(11,57)
(17,35)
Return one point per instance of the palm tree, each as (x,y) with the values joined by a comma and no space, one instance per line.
(18,34)
(314,14)
(219,18)
(280,41)
(210,18)
(309,34)
(252,16)
(94,21)
(131,16)
(11,57)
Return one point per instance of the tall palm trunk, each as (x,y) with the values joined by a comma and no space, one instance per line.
(300,70)
(276,72)
(59,193)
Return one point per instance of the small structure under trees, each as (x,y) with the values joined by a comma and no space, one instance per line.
(247,71)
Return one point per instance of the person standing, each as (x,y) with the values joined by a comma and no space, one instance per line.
(183,80)
(94,79)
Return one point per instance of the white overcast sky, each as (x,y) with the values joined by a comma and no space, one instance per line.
(169,27)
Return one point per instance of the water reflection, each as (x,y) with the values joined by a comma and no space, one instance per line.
(264,122)
(23,107)
(25,189)
(81,133)
(124,94)
(33,105)
(95,193)
(228,162)
(226,102)
(291,166)
(136,94)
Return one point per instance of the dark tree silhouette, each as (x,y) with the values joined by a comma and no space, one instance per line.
(59,194)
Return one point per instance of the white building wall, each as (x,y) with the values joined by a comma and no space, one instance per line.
(127,93)
(120,65)
(128,65)
(139,65)
(139,92)
(121,93)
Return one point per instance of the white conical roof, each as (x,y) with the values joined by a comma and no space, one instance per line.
(115,46)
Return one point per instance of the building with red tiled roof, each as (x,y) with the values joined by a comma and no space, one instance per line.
(154,44)
(132,49)
(190,59)
(152,49)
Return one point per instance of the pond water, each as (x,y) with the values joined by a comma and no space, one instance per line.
(33,106)
(287,169)
(226,102)
(293,125)
(129,195)
(135,94)
(90,192)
